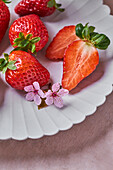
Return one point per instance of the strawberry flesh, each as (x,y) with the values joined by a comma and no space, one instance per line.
(60,42)
(28,71)
(80,60)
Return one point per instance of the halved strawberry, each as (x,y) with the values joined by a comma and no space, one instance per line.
(60,42)
(80,60)
(81,57)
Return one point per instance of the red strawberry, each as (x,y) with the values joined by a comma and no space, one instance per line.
(22,69)
(81,57)
(60,42)
(80,60)
(40,7)
(30,24)
(4,18)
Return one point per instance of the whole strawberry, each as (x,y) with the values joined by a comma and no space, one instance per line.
(30,24)
(40,7)
(4,18)
(22,69)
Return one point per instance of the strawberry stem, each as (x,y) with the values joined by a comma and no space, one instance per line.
(25,43)
(52,3)
(86,33)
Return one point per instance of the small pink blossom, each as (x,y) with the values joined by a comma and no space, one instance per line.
(34,93)
(55,95)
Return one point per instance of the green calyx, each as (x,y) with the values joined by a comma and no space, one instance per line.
(87,34)
(25,43)
(6,1)
(52,3)
(6,64)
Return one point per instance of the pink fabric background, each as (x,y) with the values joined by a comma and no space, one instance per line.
(86,146)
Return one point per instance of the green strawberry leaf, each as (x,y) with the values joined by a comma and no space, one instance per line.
(33,48)
(2,65)
(51,3)
(92,35)
(7,2)
(61,9)
(101,41)
(6,64)
(86,33)
(2,60)
(21,35)
(11,65)
(91,29)
(59,5)
(23,43)
(17,40)
(4,70)
(14,45)
(79,28)
(35,40)
(95,37)
(28,36)
(6,56)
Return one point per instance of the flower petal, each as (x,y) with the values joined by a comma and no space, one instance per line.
(55,87)
(41,93)
(29,88)
(37,99)
(49,100)
(58,102)
(63,92)
(36,85)
(30,96)
(48,93)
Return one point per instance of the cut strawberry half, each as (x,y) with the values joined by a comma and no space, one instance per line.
(81,57)
(60,42)
(80,60)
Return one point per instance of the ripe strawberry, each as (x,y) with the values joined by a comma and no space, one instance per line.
(81,57)
(60,42)
(4,18)
(22,69)
(40,7)
(30,24)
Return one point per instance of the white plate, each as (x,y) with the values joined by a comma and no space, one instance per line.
(20,119)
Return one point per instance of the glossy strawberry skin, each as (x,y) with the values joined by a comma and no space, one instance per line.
(80,60)
(60,42)
(4,18)
(38,7)
(30,24)
(28,71)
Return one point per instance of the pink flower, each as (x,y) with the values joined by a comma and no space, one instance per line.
(34,93)
(54,96)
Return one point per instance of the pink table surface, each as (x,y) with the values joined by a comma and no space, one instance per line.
(86,146)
